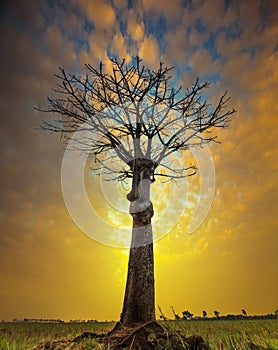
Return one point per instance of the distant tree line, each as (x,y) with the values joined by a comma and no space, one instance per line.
(187,315)
(49,320)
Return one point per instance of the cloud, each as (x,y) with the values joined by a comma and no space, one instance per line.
(134,28)
(101,13)
(171,11)
(149,51)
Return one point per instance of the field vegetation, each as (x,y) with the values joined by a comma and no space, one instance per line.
(219,334)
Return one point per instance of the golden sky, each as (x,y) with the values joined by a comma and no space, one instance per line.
(48,267)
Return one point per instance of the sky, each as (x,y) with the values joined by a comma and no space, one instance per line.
(50,268)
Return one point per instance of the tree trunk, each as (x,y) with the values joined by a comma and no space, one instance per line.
(139,305)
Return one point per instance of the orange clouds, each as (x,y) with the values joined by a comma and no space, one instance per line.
(100,12)
(134,28)
(149,51)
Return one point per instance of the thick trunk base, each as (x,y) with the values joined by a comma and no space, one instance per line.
(139,304)
(138,307)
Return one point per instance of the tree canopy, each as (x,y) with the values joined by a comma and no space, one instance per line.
(135,113)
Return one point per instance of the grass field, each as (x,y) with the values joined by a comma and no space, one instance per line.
(219,334)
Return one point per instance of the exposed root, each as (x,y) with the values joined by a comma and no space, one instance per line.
(152,336)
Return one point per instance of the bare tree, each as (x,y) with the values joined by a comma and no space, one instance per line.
(162,316)
(216,313)
(187,315)
(243,312)
(177,317)
(137,123)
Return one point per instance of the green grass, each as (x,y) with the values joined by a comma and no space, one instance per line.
(22,336)
(226,335)
(232,334)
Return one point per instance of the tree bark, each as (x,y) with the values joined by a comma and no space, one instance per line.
(139,300)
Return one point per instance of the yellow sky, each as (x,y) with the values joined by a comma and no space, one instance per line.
(48,267)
